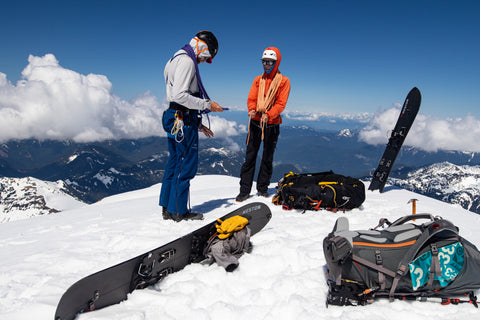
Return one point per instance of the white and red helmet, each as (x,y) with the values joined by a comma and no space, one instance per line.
(269,54)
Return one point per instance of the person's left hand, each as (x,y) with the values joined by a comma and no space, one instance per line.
(207,132)
(264,117)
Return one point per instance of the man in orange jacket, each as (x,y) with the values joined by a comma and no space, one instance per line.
(267,99)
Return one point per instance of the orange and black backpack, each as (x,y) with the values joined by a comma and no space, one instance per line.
(315,191)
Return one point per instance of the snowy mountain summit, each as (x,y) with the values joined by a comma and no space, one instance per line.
(282,278)
(22,198)
(346,133)
(447,182)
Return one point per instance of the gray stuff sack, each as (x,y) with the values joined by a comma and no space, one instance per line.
(227,251)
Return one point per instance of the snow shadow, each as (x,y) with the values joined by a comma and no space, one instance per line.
(211,205)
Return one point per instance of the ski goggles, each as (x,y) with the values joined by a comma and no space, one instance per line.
(268,63)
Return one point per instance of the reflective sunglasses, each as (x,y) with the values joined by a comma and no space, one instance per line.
(268,63)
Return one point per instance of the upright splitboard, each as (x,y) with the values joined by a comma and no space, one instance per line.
(399,133)
(112,285)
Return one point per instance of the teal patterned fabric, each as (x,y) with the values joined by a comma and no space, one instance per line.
(451,263)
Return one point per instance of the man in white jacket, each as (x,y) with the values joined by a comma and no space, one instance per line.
(188,100)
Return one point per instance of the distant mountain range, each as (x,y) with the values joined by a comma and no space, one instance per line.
(447,182)
(92,171)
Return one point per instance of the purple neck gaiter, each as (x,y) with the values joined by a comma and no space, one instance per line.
(191,54)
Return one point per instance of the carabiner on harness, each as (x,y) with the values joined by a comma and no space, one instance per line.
(177,129)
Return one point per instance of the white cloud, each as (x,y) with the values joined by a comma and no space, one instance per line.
(427,133)
(225,129)
(303,116)
(319,116)
(51,102)
(222,128)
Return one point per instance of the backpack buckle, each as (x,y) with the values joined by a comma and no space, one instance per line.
(378,257)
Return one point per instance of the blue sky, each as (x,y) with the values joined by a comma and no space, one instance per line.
(341,56)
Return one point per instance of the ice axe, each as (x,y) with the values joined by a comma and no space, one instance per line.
(414,205)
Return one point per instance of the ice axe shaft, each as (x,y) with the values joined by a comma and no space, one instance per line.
(414,205)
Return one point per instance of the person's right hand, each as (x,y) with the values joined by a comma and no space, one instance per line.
(215,107)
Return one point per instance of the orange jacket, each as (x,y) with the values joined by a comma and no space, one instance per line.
(280,98)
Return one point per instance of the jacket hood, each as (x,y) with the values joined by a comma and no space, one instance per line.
(277,63)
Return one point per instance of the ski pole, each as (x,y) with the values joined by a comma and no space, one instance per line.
(446,301)
(442,301)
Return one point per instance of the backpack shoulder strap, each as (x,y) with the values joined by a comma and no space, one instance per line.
(181,53)
(432,229)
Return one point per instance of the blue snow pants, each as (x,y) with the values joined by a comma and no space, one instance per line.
(182,163)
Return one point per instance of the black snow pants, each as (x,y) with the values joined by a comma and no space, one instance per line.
(271,133)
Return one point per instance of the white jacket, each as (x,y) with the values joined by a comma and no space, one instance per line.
(181,82)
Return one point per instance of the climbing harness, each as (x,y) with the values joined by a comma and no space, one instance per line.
(177,129)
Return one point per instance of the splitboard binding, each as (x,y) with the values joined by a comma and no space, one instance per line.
(112,285)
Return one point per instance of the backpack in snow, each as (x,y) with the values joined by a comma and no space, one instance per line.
(323,190)
(406,260)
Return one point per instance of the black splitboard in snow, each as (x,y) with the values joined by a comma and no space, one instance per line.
(112,285)
(399,133)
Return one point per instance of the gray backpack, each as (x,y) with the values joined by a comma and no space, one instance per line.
(404,260)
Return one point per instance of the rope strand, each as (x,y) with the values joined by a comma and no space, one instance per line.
(266,101)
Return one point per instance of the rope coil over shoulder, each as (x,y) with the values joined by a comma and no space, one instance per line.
(265,101)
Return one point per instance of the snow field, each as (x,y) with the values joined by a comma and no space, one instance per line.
(283,277)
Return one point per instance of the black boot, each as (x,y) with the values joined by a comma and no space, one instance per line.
(263,194)
(185,216)
(166,215)
(242,197)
